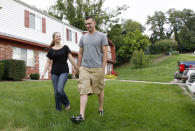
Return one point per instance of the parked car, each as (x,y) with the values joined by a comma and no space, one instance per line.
(191,83)
(183,68)
(187,73)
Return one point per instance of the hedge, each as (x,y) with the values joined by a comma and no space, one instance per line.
(14,69)
(34,76)
(1,70)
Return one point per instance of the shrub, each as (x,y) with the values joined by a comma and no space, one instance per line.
(69,76)
(34,76)
(110,77)
(175,52)
(1,70)
(139,59)
(14,69)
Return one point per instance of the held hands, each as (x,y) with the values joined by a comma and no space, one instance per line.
(76,69)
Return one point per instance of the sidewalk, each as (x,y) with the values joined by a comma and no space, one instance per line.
(166,83)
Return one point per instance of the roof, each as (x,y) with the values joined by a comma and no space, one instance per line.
(25,40)
(43,13)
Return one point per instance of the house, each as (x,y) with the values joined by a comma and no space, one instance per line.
(26,33)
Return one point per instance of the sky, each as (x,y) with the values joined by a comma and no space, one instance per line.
(138,9)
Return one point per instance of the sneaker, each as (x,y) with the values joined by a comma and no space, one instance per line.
(101,113)
(77,119)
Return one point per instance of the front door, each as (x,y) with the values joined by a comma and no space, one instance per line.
(42,61)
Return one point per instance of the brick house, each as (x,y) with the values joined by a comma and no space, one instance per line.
(26,33)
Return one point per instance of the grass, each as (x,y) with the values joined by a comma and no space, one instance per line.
(162,71)
(128,106)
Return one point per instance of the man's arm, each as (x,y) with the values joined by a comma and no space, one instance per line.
(80,56)
(105,56)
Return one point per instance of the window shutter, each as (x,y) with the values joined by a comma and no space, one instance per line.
(67,34)
(43,25)
(26,18)
(76,37)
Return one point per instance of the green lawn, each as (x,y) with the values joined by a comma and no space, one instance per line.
(158,71)
(128,106)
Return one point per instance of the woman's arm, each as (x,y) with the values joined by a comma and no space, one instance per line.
(80,56)
(71,59)
(47,64)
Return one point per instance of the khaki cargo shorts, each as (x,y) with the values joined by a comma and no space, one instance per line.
(91,80)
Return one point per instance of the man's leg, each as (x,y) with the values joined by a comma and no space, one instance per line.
(83,103)
(101,101)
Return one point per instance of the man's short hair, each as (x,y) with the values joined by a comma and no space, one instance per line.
(90,17)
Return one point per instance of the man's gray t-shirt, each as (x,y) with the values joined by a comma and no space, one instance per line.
(92,49)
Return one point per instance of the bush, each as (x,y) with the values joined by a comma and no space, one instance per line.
(1,70)
(14,69)
(175,52)
(110,77)
(34,76)
(69,76)
(139,59)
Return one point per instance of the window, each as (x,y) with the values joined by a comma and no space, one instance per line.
(109,53)
(32,21)
(109,68)
(30,58)
(17,53)
(38,25)
(24,54)
(70,35)
(73,37)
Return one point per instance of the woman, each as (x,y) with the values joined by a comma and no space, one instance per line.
(57,56)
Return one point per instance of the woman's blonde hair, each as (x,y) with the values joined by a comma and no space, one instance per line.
(53,42)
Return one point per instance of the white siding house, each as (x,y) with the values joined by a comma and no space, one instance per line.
(26,33)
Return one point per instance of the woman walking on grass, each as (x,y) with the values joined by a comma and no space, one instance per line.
(57,57)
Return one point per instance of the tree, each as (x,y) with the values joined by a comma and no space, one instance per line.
(75,11)
(118,33)
(115,34)
(187,36)
(177,19)
(157,23)
(139,59)
(131,26)
(166,45)
(132,41)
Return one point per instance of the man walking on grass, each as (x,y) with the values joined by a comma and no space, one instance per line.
(92,60)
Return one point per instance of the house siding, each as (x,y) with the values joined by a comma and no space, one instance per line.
(15,22)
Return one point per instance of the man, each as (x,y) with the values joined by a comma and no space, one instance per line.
(92,60)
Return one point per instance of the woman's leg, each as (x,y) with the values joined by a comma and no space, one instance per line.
(60,89)
(58,102)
